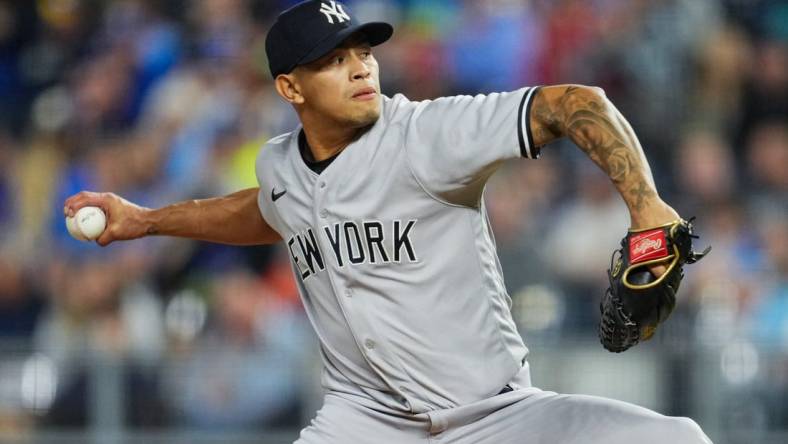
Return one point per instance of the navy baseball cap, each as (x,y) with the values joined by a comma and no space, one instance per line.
(311,29)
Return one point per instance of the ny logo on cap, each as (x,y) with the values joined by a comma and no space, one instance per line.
(335,10)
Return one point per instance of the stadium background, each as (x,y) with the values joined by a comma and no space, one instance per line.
(166,340)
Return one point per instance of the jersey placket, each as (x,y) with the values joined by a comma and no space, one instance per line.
(372,346)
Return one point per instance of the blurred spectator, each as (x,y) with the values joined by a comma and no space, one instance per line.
(767,319)
(98,317)
(767,156)
(769,315)
(569,31)
(20,306)
(138,29)
(727,284)
(722,59)
(245,371)
(492,41)
(102,88)
(8,191)
(705,169)
(520,201)
(766,91)
(580,241)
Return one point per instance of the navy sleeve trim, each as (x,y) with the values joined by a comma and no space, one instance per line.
(527,148)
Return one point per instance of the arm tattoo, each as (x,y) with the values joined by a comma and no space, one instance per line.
(596,126)
(641,193)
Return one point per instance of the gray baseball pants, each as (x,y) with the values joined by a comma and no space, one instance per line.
(525,416)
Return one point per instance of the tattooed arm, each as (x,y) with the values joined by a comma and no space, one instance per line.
(591,121)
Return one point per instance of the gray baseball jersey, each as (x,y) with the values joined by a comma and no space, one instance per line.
(393,253)
(395,262)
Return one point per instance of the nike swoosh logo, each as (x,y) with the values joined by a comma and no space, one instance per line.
(275,196)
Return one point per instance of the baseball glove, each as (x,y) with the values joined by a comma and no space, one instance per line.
(636,301)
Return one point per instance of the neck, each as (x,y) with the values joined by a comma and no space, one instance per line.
(327,138)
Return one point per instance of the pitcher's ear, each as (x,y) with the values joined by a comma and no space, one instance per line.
(287,87)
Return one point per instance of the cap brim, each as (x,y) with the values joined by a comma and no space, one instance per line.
(376,32)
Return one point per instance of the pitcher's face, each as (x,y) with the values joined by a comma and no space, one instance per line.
(343,85)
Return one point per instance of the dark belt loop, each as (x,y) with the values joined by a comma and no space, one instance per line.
(506,389)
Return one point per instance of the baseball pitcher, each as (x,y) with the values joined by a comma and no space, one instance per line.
(379,203)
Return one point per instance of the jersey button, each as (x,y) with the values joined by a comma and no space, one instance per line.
(349,293)
(323,214)
(322,184)
(370,344)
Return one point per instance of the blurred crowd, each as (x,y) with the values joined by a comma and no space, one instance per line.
(160,101)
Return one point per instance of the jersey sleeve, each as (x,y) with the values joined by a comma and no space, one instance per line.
(269,170)
(454,144)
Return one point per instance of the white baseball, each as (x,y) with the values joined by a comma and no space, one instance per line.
(87,224)
(71,224)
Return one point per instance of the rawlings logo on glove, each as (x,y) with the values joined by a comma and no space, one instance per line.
(650,245)
(636,301)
